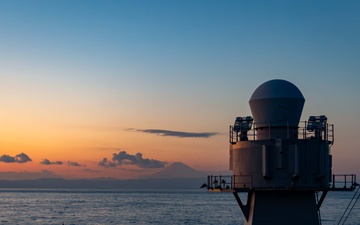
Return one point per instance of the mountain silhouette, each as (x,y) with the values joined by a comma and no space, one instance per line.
(175,176)
(178,170)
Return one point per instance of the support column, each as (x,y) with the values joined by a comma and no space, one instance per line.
(281,208)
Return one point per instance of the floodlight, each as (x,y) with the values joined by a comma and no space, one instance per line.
(311,124)
(237,124)
(316,123)
(243,125)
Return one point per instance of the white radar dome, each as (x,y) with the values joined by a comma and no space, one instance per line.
(276,103)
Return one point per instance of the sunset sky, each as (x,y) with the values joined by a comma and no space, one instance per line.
(122,88)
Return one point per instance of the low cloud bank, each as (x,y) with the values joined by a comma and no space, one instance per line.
(20,158)
(123,158)
(68,163)
(48,162)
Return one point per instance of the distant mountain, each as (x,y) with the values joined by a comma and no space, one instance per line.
(175,176)
(178,170)
(58,183)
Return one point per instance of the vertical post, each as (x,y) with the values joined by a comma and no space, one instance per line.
(230,135)
(345,180)
(234,180)
(354,178)
(265,163)
(254,132)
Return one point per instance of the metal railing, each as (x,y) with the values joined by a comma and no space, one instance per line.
(244,183)
(343,182)
(327,133)
(229,182)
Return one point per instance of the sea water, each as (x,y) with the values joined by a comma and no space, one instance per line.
(29,206)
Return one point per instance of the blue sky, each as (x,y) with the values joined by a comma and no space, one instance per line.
(191,66)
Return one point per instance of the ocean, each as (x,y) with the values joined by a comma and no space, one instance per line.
(49,206)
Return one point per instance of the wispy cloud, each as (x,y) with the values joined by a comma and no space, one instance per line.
(70,163)
(20,158)
(172,133)
(48,162)
(123,158)
(107,163)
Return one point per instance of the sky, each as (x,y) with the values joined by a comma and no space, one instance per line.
(124,88)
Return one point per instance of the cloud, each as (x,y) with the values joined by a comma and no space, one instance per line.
(107,163)
(48,162)
(180,134)
(123,158)
(70,163)
(20,158)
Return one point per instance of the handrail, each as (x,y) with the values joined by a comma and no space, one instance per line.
(240,183)
(326,134)
(245,183)
(348,181)
(229,182)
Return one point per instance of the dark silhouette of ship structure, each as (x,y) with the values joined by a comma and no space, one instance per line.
(281,163)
